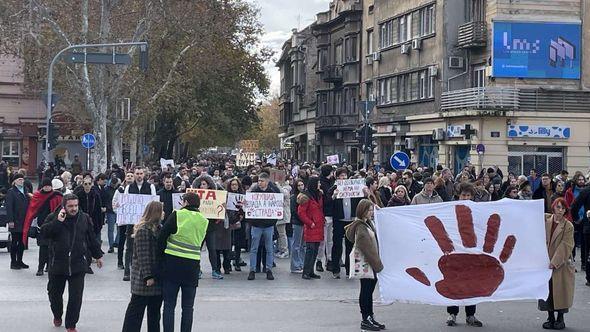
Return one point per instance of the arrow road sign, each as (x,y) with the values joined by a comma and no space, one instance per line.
(88,141)
(399,161)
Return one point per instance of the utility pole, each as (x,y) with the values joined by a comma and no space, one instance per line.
(367,106)
(115,60)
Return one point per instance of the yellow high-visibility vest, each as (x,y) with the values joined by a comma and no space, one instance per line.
(190,233)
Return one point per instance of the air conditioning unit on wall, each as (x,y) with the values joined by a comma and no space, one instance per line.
(456,62)
(377,56)
(438,134)
(410,143)
(416,44)
(433,71)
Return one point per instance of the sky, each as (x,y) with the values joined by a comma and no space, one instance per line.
(278,18)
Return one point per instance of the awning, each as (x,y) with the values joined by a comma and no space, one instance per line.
(293,136)
(419,133)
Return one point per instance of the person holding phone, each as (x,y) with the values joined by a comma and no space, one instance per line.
(70,234)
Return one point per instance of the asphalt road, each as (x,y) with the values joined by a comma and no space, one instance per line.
(285,304)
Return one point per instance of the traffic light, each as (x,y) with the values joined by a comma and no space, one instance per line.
(52,135)
(360,134)
(370,142)
(143,58)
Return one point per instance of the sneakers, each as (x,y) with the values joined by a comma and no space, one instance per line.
(376,323)
(452,320)
(252,275)
(57,322)
(282,255)
(318,266)
(126,278)
(237,268)
(23,265)
(336,275)
(39,273)
(366,325)
(216,275)
(472,321)
(15,266)
(269,275)
(297,271)
(306,276)
(315,276)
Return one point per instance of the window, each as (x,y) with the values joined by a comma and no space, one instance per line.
(337,102)
(322,104)
(11,152)
(427,21)
(350,48)
(293,74)
(386,34)
(403,29)
(370,42)
(401,88)
(338,54)
(476,11)
(346,99)
(352,101)
(322,59)
(370,91)
(478,79)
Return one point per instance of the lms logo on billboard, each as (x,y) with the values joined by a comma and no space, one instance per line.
(536,50)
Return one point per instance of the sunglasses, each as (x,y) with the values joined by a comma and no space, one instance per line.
(87,184)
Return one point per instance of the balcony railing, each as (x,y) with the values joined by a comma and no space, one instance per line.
(472,34)
(481,98)
(332,74)
(554,100)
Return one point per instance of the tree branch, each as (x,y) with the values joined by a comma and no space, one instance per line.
(156,95)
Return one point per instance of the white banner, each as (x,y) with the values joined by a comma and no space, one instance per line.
(165,162)
(264,205)
(463,253)
(350,188)
(131,207)
(333,159)
(177,201)
(245,159)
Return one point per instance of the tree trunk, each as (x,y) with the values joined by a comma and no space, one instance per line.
(116,146)
(170,147)
(99,160)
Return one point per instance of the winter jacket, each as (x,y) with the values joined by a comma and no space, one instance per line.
(166,199)
(109,193)
(443,193)
(362,234)
(583,202)
(396,201)
(569,197)
(145,263)
(311,214)
(385,194)
(16,204)
(325,185)
(90,203)
(339,206)
(414,189)
(559,248)
(423,198)
(541,193)
(294,216)
(481,195)
(69,241)
(40,206)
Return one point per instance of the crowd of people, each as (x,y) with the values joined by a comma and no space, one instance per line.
(161,254)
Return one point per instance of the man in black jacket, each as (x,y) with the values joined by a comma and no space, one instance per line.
(90,203)
(166,195)
(17,203)
(262,228)
(583,201)
(70,234)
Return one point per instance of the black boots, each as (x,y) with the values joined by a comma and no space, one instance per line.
(552,323)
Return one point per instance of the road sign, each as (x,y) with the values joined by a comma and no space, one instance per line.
(146,150)
(99,58)
(88,141)
(480,148)
(399,161)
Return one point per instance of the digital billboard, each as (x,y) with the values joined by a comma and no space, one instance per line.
(536,50)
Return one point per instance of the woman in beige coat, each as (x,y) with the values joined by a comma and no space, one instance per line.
(560,242)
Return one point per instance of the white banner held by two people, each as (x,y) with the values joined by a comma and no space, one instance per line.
(131,207)
(463,253)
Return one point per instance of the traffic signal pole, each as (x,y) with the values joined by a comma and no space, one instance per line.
(366,138)
(50,79)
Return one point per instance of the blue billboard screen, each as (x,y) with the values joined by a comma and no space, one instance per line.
(536,50)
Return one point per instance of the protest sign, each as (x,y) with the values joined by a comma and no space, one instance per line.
(244,159)
(233,199)
(264,205)
(212,202)
(165,162)
(177,201)
(277,175)
(463,253)
(350,188)
(131,207)
(333,160)
(249,145)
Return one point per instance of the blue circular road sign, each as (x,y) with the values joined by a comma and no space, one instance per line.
(480,148)
(399,161)
(88,140)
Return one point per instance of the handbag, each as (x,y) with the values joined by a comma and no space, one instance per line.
(34,230)
(359,267)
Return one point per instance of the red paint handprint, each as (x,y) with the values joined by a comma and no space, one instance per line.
(467,275)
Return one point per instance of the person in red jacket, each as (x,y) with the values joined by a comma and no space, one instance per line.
(43,202)
(311,213)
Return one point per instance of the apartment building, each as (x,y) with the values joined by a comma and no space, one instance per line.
(493,82)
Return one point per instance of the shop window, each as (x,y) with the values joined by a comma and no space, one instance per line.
(521,159)
(11,152)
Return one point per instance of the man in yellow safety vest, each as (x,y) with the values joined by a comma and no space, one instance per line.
(180,241)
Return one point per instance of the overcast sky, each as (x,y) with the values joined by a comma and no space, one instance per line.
(279,17)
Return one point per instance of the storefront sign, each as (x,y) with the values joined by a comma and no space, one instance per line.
(539,131)
(454,131)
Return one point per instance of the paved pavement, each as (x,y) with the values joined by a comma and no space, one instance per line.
(285,304)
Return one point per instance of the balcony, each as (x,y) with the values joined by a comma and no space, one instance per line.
(337,121)
(490,98)
(472,34)
(332,74)
(512,99)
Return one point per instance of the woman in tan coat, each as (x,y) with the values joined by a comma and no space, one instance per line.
(560,242)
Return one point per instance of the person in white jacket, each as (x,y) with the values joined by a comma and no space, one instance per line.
(282,224)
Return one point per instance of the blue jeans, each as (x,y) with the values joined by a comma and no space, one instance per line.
(112,224)
(257,233)
(170,293)
(297,249)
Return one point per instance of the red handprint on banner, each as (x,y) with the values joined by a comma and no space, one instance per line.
(467,275)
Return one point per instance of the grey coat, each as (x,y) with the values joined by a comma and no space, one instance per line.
(145,263)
